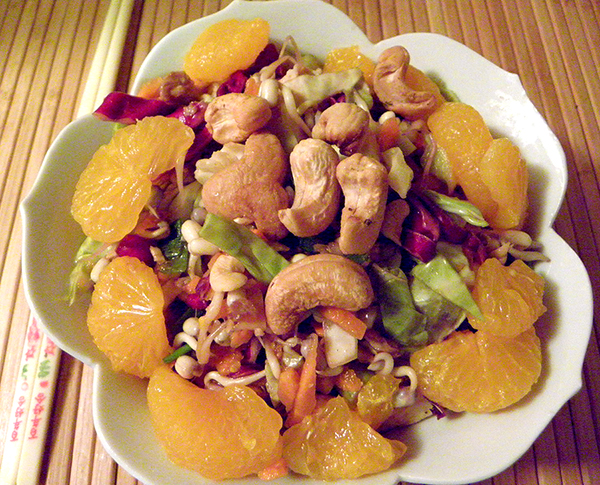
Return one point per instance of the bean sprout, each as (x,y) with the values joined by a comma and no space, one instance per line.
(271,357)
(191,326)
(406,395)
(382,363)
(203,352)
(290,107)
(97,269)
(336,371)
(187,367)
(229,381)
(183,338)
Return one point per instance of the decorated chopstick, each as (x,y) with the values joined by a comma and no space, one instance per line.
(38,417)
(32,404)
(19,412)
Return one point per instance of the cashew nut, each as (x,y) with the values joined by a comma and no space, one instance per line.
(235,116)
(364,182)
(391,89)
(252,187)
(320,279)
(227,274)
(317,194)
(344,125)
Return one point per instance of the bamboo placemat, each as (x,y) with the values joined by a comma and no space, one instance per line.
(45,53)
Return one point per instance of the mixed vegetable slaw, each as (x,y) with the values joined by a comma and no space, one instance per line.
(386,221)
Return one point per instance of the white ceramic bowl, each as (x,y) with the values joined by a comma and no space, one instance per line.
(460,449)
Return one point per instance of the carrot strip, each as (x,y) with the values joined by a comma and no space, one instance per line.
(252,87)
(389,132)
(241,337)
(306,397)
(190,286)
(289,380)
(346,320)
(151,89)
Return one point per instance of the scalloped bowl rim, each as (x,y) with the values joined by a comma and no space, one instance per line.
(121,418)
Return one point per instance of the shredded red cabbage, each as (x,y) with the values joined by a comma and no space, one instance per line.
(475,250)
(199,299)
(421,231)
(127,109)
(191,114)
(136,247)
(235,84)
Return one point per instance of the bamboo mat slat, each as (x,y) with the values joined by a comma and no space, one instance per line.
(45,53)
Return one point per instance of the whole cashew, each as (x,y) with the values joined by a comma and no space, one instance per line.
(252,187)
(364,183)
(317,194)
(321,279)
(391,89)
(235,116)
(344,125)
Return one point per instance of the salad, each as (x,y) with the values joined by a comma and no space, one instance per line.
(329,245)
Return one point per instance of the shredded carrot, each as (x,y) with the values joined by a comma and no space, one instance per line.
(212,260)
(240,337)
(190,287)
(289,380)
(306,397)
(260,234)
(226,360)
(346,320)
(274,470)
(224,310)
(251,87)
(151,89)
(348,381)
(389,132)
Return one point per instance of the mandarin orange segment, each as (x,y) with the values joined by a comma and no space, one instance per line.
(375,401)
(344,58)
(126,318)
(465,138)
(505,173)
(229,433)
(334,443)
(478,372)
(116,184)
(510,297)
(224,48)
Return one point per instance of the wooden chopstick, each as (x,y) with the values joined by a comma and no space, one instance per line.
(105,64)
(32,402)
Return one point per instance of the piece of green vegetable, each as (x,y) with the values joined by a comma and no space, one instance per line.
(443,316)
(260,259)
(441,277)
(400,317)
(461,208)
(184,349)
(87,256)
(175,251)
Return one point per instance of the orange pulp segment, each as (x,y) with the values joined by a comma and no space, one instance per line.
(224,48)
(478,372)
(228,433)
(126,318)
